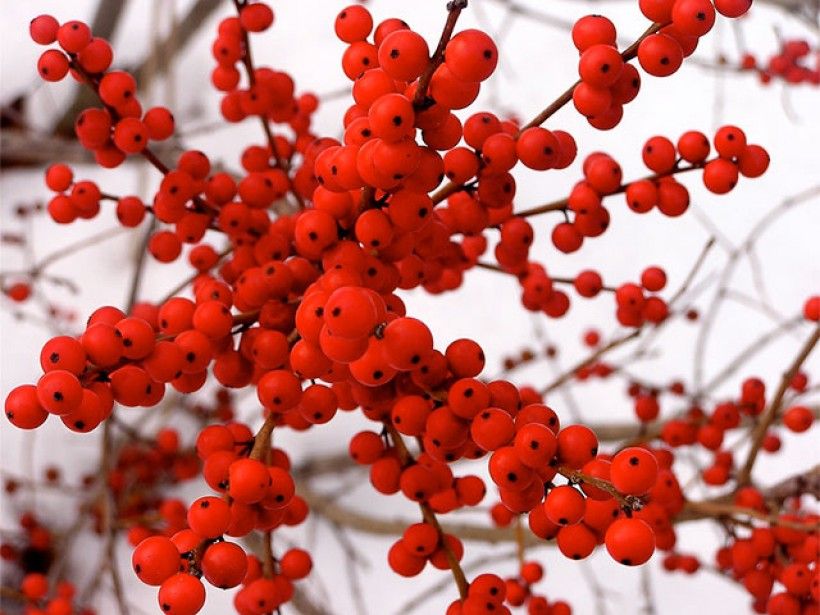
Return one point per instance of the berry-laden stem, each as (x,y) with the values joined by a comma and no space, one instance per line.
(108,503)
(563,204)
(520,542)
(628,54)
(770,414)
(146,152)
(261,441)
(154,160)
(184,283)
(498,269)
(455,7)
(429,516)
(630,502)
(709,509)
(247,61)
(592,358)
(268,563)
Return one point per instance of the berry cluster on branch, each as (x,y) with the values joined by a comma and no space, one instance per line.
(302,304)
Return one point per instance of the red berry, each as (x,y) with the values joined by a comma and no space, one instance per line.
(181,594)
(155,559)
(43,29)
(73,36)
(471,55)
(630,541)
(634,471)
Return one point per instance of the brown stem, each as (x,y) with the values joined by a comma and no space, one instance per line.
(768,417)
(267,555)
(628,54)
(109,511)
(804,482)
(498,269)
(261,441)
(247,61)
(75,247)
(709,509)
(592,358)
(625,501)
(147,153)
(429,516)
(562,204)
(181,286)
(454,9)
(520,543)
(139,266)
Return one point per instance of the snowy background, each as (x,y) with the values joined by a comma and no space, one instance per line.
(537,63)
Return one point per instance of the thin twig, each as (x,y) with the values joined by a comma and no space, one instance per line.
(768,417)
(454,9)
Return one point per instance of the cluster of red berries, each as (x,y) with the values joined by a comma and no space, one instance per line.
(269,94)
(681,24)
(789,65)
(40,596)
(776,565)
(191,542)
(696,427)
(72,200)
(489,593)
(519,592)
(608,81)
(31,554)
(579,520)
(634,307)
(117,129)
(313,296)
